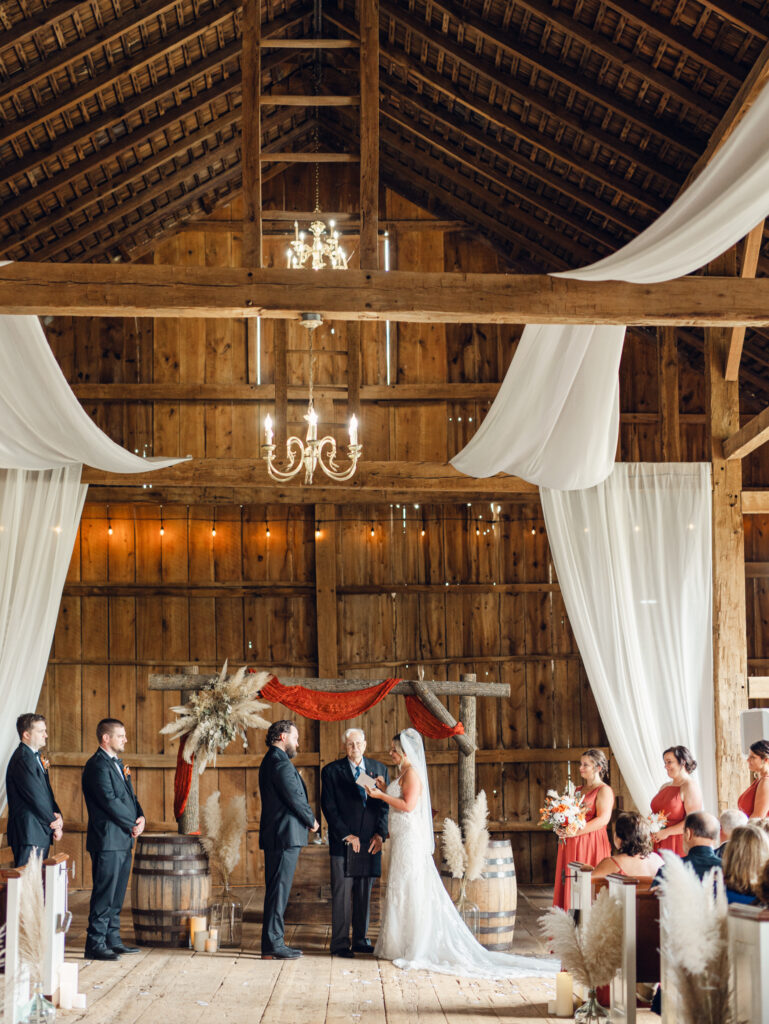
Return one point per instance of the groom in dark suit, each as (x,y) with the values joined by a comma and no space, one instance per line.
(115,819)
(361,823)
(286,816)
(34,817)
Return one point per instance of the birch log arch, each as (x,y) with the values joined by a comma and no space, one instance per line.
(468,689)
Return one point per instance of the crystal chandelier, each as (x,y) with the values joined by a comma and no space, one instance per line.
(312,452)
(321,252)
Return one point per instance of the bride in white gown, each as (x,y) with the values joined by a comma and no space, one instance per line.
(421,928)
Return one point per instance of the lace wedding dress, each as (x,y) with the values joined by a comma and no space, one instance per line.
(421,928)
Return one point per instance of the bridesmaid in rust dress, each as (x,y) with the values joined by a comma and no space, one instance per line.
(677,798)
(591,845)
(755,800)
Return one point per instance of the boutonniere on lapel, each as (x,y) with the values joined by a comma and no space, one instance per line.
(45,763)
(126,772)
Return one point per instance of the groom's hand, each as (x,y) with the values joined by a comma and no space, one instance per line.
(375,845)
(315,826)
(354,842)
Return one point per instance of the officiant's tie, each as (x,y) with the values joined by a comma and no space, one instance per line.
(363,793)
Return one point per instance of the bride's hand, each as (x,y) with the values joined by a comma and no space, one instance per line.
(375,793)
(380,783)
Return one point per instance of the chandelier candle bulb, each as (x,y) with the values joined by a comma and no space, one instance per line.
(353,429)
(268,430)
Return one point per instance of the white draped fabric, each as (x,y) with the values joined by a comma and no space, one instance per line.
(39,517)
(42,424)
(633,558)
(560,446)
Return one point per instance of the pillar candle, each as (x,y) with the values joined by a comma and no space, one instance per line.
(211,945)
(67,985)
(79,1001)
(564,995)
(197,924)
(199,942)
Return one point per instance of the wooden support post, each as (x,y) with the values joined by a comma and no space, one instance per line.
(729,617)
(467,764)
(751,253)
(189,823)
(252,134)
(329,743)
(369,134)
(670,440)
(280,353)
(353,368)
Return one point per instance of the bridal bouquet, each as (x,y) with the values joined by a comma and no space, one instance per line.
(657,822)
(563,811)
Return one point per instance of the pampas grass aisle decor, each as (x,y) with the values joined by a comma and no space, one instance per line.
(32,938)
(694,943)
(591,952)
(222,835)
(465,860)
(453,849)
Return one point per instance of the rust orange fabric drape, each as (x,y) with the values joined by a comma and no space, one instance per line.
(182,780)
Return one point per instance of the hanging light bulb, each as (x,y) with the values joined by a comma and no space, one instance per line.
(162,527)
(109,523)
(213,524)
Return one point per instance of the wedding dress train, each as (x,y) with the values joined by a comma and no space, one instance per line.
(421,928)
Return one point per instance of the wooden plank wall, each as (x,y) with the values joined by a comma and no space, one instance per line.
(435,585)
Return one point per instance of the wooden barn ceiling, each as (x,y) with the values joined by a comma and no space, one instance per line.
(557,129)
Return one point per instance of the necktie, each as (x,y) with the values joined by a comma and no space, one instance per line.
(119,764)
(358,770)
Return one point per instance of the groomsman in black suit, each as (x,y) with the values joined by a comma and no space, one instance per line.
(34,818)
(115,819)
(361,823)
(286,816)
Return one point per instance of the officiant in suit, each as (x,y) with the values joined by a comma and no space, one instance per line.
(286,817)
(34,818)
(357,822)
(115,819)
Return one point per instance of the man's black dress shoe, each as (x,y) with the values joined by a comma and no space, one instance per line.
(346,953)
(120,948)
(100,953)
(363,947)
(287,953)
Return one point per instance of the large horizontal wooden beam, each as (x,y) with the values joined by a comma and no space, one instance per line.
(374,482)
(755,503)
(81,289)
(406,687)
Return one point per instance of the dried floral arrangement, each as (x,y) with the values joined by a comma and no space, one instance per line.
(222,833)
(591,952)
(465,860)
(211,719)
(32,917)
(694,943)
(564,812)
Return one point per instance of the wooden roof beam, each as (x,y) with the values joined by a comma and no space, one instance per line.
(751,251)
(674,134)
(82,289)
(186,77)
(184,35)
(475,62)
(184,177)
(25,27)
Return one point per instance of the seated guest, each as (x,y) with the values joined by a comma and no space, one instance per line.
(755,800)
(730,820)
(747,852)
(633,842)
(701,833)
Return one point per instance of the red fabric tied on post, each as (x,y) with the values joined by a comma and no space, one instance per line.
(326,707)
(182,780)
(424,721)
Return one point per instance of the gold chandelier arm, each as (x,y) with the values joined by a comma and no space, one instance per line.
(330,467)
(294,454)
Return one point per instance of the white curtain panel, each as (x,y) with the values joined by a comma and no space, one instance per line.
(633,558)
(729,198)
(39,516)
(42,424)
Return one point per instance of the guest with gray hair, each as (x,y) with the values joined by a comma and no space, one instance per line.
(730,820)
(355,824)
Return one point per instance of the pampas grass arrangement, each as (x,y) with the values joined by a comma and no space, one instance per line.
(694,944)
(212,718)
(591,952)
(222,833)
(466,859)
(32,918)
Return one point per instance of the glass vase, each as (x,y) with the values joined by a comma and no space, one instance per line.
(468,910)
(591,1010)
(39,1010)
(225,912)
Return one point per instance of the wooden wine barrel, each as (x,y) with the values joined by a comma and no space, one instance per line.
(171,882)
(495,893)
